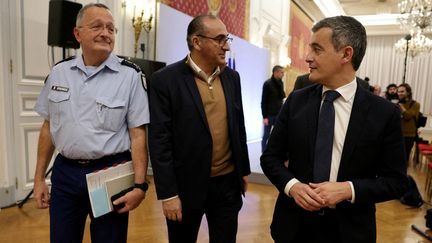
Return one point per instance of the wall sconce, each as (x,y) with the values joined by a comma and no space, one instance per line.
(138,24)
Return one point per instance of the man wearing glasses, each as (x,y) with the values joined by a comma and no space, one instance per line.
(95,109)
(197,137)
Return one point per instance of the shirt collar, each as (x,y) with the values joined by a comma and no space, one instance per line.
(200,73)
(112,62)
(347,91)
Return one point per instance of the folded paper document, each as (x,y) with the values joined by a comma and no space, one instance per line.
(103,184)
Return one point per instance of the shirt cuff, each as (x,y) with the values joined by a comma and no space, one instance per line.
(171,198)
(289,185)
(352,192)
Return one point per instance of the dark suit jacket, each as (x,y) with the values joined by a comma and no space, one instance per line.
(372,159)
(303,81)
(179,136)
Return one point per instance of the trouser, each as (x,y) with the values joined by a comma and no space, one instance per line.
(267,130)
(312,227)
(70,205)
(221,208)
(409,142)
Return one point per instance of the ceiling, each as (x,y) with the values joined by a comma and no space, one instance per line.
(369,7)
(378,16)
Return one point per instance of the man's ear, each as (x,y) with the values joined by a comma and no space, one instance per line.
(77,34)
(347,53)
(196,43)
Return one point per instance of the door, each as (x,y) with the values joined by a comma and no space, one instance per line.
(31,59)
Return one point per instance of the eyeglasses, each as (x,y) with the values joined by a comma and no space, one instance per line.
(220,39)
(98,28)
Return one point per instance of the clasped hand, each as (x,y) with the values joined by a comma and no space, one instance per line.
(314,196)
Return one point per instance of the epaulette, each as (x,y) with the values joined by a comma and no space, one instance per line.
(65,60)
(138,69)
(131,64)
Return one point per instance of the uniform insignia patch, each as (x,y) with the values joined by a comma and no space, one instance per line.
(138,69)
(144,81)
(59,88)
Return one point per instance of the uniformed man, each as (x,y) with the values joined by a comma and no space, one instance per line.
(95,109)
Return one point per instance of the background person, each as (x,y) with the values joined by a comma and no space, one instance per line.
(271,101)
(410,111)
(391,93)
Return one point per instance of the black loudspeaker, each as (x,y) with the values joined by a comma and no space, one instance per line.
(61,22)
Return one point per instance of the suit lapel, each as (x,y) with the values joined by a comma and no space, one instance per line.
(189,80)
(355,127)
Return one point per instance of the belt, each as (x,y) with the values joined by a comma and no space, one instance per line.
(94,162)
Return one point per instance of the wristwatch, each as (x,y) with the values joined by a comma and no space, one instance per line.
(143,186)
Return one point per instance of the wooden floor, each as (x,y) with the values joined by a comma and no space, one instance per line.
(146,224)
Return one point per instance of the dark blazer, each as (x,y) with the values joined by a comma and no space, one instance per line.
(179,136)
(372,159)
(303,81)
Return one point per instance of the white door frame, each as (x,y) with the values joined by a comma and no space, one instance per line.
(7,139)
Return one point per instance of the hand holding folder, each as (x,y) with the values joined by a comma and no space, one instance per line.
(105,184)
(119,195)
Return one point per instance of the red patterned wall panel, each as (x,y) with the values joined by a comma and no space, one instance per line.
(300,32)
(234,13)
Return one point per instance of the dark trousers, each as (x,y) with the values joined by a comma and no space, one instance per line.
(70,206)
(409,142)
(311,228)
(267,130)
(221,208)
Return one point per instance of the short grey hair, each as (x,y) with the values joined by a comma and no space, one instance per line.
(80,14)
(347,31)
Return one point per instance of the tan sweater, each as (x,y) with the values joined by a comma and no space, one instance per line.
(214,103)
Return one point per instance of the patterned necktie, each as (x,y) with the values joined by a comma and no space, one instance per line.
(324,138)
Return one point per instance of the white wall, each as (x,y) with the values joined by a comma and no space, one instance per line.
(268,28)
(252,63)
(171,41)
(123,12)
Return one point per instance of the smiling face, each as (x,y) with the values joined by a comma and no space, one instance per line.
(323,59)
(402,92)
(96,34)
(211,45)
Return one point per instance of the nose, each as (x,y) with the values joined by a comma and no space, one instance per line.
(226,46)
(105,31)
(308,57)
